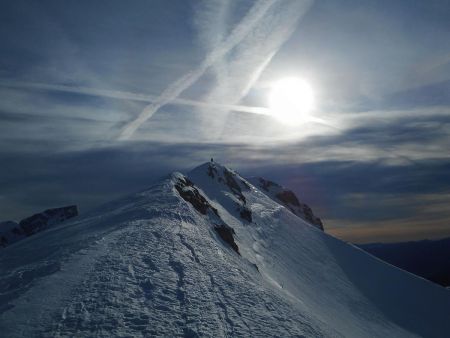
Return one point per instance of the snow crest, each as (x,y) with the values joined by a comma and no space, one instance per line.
(154,264)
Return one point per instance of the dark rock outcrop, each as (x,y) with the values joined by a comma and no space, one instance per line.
(231,182)
(246,214)
(235,185)
(290,201)
(226,233)
(190,194)
(43,220)
(211,171)
(266,184)
(309,216)
(11,232)
(288,197)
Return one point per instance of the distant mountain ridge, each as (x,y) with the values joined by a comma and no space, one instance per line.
(429,259)
(207,254)
(288,199)
(11,232)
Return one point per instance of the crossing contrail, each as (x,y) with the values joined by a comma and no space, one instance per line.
(124,95)
(254,15)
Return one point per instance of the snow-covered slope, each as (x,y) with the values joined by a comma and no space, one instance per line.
(287,198)
(207,254)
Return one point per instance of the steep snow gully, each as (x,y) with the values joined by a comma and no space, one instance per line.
(208,254)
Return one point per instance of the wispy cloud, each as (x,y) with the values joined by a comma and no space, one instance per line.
(124,95)
(391,201)
(176,88)
(261,32)
(241,69)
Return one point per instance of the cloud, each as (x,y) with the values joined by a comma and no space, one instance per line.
(176,88)
(349,194)
(397,230)
(373,201)
(400,136)
(212,20)
(241,68)
(37,180)
(254,34)
(124,95)
(375,152)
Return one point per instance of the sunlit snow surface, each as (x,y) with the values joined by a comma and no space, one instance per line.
(151,265)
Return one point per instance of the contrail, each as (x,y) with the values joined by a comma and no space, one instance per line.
(116,94)
(211,20)
(239,72)
(255,14)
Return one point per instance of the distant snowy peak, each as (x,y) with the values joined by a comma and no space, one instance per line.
(230,180)
(287,198)
(222,175)
(11,232)
(206,254)
(217,179)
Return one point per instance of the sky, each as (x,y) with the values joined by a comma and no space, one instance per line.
(99,99)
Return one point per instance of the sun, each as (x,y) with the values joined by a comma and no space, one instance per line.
(291,100)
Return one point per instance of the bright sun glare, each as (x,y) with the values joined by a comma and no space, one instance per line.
(291,100)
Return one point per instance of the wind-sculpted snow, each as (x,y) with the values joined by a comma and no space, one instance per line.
(153,265)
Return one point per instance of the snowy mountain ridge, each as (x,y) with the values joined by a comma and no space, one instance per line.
(11,232)
(207,254)
(287,198)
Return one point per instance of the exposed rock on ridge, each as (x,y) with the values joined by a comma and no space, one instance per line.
(289,200)
(191,194)
(11,232)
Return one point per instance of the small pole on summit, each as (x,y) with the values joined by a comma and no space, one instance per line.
(212,161)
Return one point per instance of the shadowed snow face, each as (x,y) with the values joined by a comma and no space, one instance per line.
(157,263)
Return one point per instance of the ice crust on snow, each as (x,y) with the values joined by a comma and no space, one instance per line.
(152,264)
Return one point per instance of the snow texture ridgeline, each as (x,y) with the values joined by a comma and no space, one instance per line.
(157,264)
